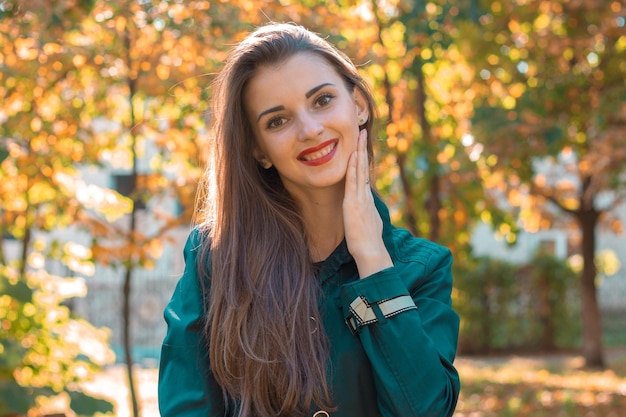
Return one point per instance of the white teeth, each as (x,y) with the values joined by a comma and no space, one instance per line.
(319,154)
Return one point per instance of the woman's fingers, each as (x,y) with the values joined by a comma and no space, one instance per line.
(353,173)
(357,176)
(361,219)
(363,164)
(362,223)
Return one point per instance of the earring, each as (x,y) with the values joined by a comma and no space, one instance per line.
(362,121)
(265,164)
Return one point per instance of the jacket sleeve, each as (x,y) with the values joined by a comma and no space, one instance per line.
(412,350)
(186,386)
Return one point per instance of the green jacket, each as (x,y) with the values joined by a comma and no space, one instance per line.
(400,365)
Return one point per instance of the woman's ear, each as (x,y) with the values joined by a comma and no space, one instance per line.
(362,110)
(262,159)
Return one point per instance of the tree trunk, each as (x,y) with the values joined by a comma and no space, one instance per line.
(590,310)
(433,203)
(28,221)
(486,342)
(127,335)
(409,208)
(434,206)
(25,246)
(545,314)
(126,313)
(2,233)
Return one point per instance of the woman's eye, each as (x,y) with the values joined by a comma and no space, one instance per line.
(324,100)
(275,122)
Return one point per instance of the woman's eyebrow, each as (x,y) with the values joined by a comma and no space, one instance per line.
(316,89)
(271,110)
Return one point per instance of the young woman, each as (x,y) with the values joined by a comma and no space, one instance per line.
(299,297)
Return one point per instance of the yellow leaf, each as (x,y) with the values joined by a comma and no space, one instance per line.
(79,60)
(163,71)
(25,49)
(155,248)
(403,145)
(542,21)
(516,90)
(508,102)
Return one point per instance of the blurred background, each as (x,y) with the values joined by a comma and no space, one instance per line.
(502,135)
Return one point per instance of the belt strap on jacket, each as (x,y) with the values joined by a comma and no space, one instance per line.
(362,314)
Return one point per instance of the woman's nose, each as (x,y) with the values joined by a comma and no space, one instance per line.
(309,127)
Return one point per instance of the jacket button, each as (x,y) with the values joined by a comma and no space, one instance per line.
(321,413)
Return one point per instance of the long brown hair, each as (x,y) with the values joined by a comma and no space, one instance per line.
(267,348)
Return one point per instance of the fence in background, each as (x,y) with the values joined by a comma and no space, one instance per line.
(150,293)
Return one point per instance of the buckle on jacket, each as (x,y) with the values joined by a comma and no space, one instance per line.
(352,325)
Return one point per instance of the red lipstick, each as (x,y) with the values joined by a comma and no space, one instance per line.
(307,157)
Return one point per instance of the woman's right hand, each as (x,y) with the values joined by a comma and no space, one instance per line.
(363,226)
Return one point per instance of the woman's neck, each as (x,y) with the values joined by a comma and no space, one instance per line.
(323,220)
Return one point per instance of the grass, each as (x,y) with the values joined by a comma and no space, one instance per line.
(550,386)
(505,386)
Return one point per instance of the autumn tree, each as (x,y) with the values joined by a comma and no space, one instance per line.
(551,121)
(69,97)
(42,137)
(407,51)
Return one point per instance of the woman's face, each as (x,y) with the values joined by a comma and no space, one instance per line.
(305,120)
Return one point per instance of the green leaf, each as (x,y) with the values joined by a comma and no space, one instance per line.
(86,5)
(15,398)
(86,405)
(20,291)
(12,356)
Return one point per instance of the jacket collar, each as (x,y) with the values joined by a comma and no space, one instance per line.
(387,226)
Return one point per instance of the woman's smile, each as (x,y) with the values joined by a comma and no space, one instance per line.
(320,154)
